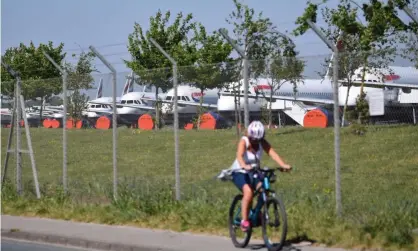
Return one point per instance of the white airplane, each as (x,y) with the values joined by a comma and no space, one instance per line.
(131,105)
(383,90)
(312,91)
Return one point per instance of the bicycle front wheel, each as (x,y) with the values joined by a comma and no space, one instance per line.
(274,219)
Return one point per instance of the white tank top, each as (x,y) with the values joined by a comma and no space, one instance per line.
(249,157)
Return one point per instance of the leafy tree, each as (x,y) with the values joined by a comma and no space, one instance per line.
(255,34)
(148,62)
(207,72)
(375,38)
(349,56)
(283,68)
(79,78)
(39,77)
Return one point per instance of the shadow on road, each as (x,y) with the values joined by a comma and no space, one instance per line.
(289,243)
(287,247)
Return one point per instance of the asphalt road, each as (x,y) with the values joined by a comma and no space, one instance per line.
(116,237)
(13,245)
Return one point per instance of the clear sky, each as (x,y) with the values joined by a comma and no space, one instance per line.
(106,24)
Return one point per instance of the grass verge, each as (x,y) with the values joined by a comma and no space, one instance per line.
(378,178)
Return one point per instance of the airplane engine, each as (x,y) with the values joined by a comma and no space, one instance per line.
(406,90)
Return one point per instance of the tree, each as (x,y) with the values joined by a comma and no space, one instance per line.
(39,77)
(349,56)
(376,41)
(284,67)
(207,72)
(148,62)
(79,78)
(257,35)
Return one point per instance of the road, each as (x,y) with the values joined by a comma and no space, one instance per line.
(13,245)
(114,237)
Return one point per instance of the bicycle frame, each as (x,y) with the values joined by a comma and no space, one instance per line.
(264,177)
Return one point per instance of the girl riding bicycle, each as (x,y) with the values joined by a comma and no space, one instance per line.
(249,151)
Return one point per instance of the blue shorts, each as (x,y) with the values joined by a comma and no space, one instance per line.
(240,179)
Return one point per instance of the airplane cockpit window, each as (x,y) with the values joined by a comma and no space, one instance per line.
(130,102)
(187,98)
(168,98)
(183,98)
(123,101)
(137,102)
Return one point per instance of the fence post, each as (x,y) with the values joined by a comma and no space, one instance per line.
(336,115)
(244,56)
(19,107)
(410,14)
(114,118)
(176,118)
(64,122)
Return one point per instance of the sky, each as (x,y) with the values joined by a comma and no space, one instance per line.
(106,24)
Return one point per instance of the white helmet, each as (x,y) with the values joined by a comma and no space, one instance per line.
(255,130)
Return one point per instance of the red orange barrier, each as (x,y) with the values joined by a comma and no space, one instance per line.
(211,121)
(103,123)
(188,126)
(70,124)
(47,123)
(319,118)
(55,123)
(145,122)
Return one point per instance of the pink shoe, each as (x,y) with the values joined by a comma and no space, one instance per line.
(245,225)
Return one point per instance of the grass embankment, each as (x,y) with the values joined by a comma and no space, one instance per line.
(378,177)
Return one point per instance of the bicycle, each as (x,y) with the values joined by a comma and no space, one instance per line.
(259,213)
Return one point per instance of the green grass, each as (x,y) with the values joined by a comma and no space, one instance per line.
(378,178)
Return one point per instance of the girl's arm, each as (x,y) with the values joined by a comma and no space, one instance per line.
(272,153)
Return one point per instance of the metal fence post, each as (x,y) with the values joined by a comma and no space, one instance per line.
(176,119)
(29,140)
(244,56)
(18,142)
(114,118)
(64,122)
(336,116)
(409,12)
(18,108)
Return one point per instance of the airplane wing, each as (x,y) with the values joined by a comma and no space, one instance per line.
(125,105)
(289,98)
(181,102)
(377,85)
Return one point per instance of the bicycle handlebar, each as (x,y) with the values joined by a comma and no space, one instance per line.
(256,166)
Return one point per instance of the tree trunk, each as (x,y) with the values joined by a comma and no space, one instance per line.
(236,113)
(363,76)
(239,109)
(345,104)
(199,112)
(270,112)
(42,108)
(157,110)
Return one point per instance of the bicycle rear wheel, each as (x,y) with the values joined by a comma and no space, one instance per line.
(234,222)
(277,220)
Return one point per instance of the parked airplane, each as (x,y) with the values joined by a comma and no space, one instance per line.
(383,89)
(131,105)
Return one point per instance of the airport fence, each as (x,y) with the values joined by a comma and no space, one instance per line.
(147,162)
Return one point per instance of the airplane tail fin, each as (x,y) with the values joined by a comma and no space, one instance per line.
(100,89)
(131,84)
(128,84)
